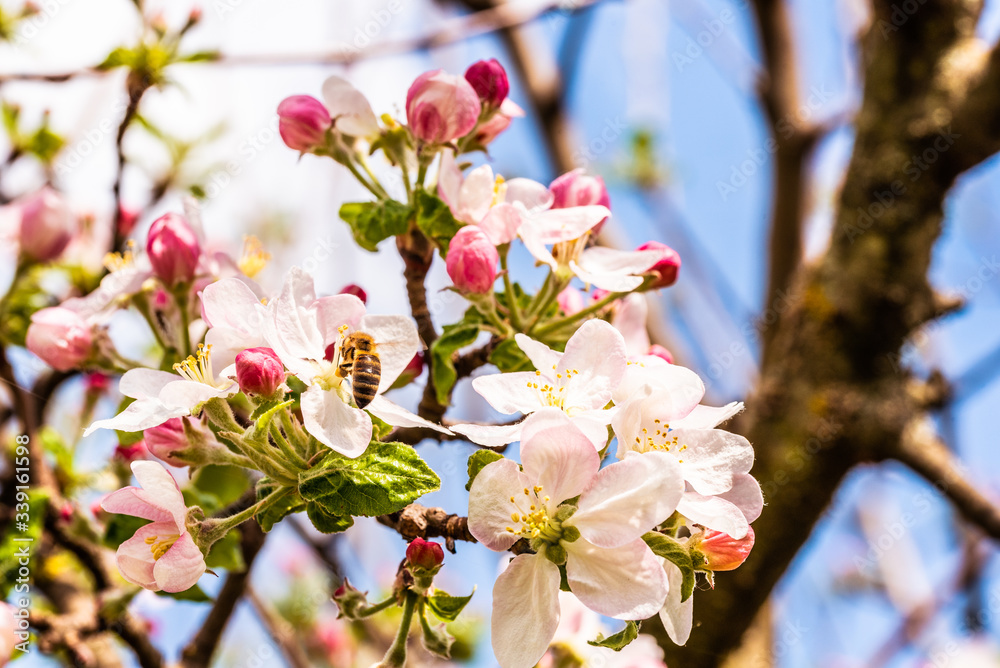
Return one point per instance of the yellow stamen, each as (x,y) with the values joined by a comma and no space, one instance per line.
(198,367)
(254,257)
(159,546)
(117,261)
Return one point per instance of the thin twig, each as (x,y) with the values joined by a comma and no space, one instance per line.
(279,631)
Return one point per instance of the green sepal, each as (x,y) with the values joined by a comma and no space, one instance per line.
(508,357)
(478,460)
(386,478)
(675,552)
(271,515)
(373,222)
(620,640)
(445,606)
(193,595)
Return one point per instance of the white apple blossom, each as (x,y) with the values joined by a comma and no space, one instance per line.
(161,395)
(307,334)
(579,382)
(608,566)
(235,315)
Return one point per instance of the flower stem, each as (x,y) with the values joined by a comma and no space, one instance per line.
(180,294)
(211,530)
(579,315)
(287,449)
(508,288)
(378,607)
(396,656)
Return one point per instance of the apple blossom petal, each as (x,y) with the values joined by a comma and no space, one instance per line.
(542,357)
(131,501)
(626,582)
(489,506)
(677,617)
(525,611)
(476,195)
(603,260)
(228,343)
(231,303)
(190,393)
(145,383)
(509,392)
(556,455)
(138,416)
(594,425)
(181,566)
(490,435)
(501,224)
(450,181)
(707,417)
(555,225)
(609,282)
(534,196)
(629,319)
(351,112)
(159,488)
(396,341)
(335,311)
(398,416)
(292,330)
(710,457)
(678,388)
(135,558)
(594,364)
(336,425)
(627,425)
(746,495)
(629,498)
(715,513)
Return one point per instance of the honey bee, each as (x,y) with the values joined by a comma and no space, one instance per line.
(359,359)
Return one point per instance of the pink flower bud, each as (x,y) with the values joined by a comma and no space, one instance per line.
(66,512)
(173,249)
(598,294)
(491,128)
(723,552)
(259,371)
(661,352)
(355,290)
(578,189)
(489,79)
(570,300)
(98,383)
(185,442)
(350,600)
(127,218)
(47,225)
(472,260)
(303,122)
(441,107)
(666,269)
(130,453)
(62,338)
(424,554)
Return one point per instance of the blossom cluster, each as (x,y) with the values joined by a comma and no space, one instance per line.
(290,384)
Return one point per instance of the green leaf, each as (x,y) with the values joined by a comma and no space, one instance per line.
(478,461)
(219,486)
(508,357)
(226,553)
(194,595)
(119,57)
(445,606)
(200,57)
(380,428)
(324,521)
(435,220)
(372,222)
(672,550)
(263,421)
(291,503)
(386,478)
(454,337)
(618,641)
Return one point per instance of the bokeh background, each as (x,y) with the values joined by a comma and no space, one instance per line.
(661,101)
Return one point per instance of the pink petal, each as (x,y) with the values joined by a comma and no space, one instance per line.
(501,224)
(231,303)
(525,611)
(139,415)
(677,388)
(396,341)
(714,512)
(746,495)
(556,455)
(510,392)
(542,357)
(532,195)
(629,498)
(134,557)
(626,582)
(144,383)
(711,458)
(630,320)
(350,109)
(707,417)
(398,416)
(594,363)
(181,566)
(491,435)
(160,488)
(476,195)
(334,311)
(676,616)
(490,508)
